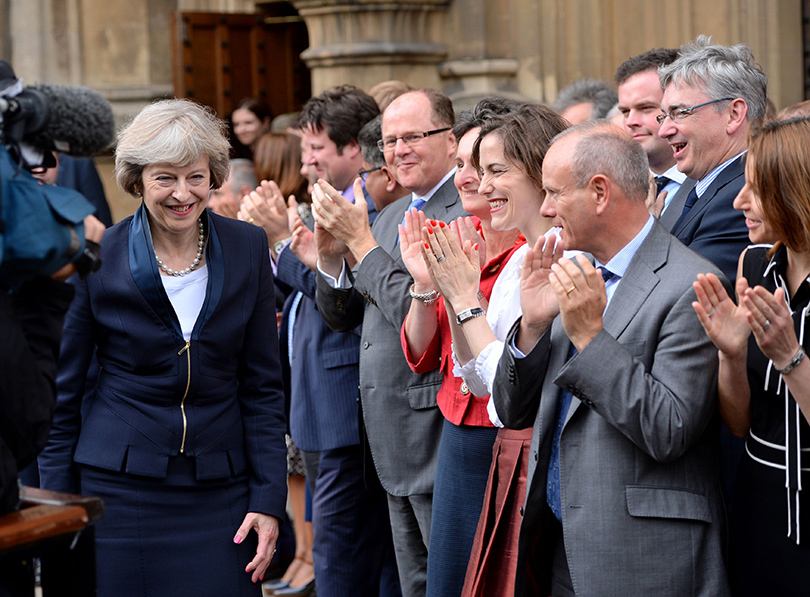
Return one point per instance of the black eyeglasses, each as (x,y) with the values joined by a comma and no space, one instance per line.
(389,143)
(364,173)
(678,114)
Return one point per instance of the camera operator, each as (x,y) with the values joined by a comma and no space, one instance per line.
(34,296)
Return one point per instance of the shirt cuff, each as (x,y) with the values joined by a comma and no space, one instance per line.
(341,283)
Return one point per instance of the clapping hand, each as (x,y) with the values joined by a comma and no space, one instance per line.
(725,323)
(410,244)
(581,296)
(265,207)
(769,318)
(538,300)
(455,269)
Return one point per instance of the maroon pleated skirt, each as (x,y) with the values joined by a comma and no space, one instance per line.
(493,561)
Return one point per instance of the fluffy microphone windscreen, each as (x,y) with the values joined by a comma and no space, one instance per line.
(80,121)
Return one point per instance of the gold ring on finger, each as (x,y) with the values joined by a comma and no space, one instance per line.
(250,220)
(570,290)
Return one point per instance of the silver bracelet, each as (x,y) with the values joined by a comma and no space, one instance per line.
(793,362)
(427,298)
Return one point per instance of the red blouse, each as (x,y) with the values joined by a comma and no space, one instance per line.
(457,403)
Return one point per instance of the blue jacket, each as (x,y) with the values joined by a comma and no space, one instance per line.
(217,398)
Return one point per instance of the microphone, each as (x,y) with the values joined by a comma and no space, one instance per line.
(73,120)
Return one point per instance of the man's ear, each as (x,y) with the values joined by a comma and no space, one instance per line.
(391,182)
(244,191)
(737,115)
(600,186)
(351,149)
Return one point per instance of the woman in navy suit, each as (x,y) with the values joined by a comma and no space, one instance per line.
(183,437)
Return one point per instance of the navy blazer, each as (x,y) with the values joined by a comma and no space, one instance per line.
(713,228)
(217,398)
(325,375)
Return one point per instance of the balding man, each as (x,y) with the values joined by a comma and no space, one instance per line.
(619,381)
(402,421)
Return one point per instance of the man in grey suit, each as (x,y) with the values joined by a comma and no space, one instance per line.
(619,381)
(640,95)
(402,422)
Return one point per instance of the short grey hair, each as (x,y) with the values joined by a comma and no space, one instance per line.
(598,93)
(177,132)
(720,71)
(603,148)
(242,174)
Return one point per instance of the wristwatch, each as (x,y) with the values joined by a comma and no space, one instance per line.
(468,314)
(277,246)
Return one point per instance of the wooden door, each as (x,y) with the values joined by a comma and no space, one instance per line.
(219,59)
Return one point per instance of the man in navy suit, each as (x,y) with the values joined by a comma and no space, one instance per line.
(352,549)
(711,94)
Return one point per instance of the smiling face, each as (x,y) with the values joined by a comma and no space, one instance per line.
(748,202)
(321,155)
(420,166)
(467,180)
(176,196)
(247,127)
(639,103)
(514,201)
(701,141)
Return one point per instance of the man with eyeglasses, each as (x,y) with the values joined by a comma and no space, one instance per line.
(381,184)
(349,508)
(640,97)
(711,93)
(403,424)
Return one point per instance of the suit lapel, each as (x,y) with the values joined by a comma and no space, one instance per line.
(734,170)
(673,212)
(634,288)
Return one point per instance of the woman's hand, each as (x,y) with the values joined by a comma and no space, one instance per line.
(725,323)
(410,244)
(469,237)
(266,528)
(455,272)
(769,318)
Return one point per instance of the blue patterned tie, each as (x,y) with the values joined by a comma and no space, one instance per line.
(660,183)
(418,203)
(691,199)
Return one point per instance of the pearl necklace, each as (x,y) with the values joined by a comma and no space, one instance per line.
(194,264)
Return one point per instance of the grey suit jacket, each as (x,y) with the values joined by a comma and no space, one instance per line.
(402,421)
(639,460)
(673,211)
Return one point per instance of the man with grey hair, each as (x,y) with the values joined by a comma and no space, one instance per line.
(241,181)
(585,99)
(615,373)
(711,94)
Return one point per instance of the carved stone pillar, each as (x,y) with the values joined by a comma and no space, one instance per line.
(377,40)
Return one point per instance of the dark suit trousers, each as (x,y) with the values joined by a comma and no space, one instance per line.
(353,552)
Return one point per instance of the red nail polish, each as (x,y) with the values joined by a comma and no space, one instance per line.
(476,246)
(237,539)
(430,230)
(433,222)
(427,246)
(261,577)
(441,224)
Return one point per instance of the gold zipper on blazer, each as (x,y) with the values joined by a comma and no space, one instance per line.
(185,349)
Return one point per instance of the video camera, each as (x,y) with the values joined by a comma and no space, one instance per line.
(41,226)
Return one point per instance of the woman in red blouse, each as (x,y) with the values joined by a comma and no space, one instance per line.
(468,435)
